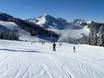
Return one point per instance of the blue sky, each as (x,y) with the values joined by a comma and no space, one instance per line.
(68,9)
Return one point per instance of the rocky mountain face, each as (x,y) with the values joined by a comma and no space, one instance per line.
(79,22)
(48,21)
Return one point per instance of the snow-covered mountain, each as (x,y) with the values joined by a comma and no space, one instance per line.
(50,28)
(79,22)
(61,26)
(25,28)
(50,22)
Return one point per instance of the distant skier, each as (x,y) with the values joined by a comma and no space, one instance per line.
(43,42)
(32,42)
(74,49)
(54,46)
(60,44)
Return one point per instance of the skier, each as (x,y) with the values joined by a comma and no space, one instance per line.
(32,42)
(74,48)
(60,44)
(43,42)
(54,46)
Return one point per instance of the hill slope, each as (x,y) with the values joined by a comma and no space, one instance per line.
(26,60)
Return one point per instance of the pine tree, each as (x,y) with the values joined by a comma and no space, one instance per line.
(95,38)
(101,36)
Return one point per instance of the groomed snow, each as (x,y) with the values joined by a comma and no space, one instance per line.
(34,60)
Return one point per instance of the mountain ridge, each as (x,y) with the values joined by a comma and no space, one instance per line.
(50,28)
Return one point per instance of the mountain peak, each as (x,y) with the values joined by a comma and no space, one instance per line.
(46,15)
(79,22)
(89,22)
(4,16)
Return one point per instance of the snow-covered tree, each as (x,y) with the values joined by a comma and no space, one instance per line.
(101,36)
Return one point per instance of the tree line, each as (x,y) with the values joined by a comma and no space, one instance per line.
(96,35)
(9,35)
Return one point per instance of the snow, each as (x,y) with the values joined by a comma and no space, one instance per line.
(33,20)
(12,26)
(35,60)
(8,25)
(89,22)
(41,20)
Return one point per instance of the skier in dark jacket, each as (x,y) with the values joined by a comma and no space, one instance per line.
(74,48)
(54,46)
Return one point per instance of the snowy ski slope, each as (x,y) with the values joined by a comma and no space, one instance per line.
(34,60)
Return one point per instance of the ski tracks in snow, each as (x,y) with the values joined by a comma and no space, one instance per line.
(59,66)
(44,63)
